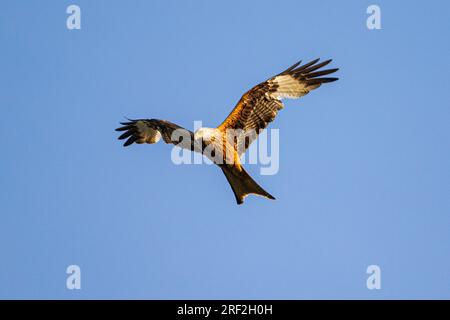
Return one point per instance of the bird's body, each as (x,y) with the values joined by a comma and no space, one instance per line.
(217,146)
(225,144)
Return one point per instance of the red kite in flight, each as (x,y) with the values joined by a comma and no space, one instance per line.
(225,144)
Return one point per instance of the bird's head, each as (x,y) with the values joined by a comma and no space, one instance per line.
(205,134)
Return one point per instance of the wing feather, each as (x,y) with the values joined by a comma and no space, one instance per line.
(260,105)
(152,130)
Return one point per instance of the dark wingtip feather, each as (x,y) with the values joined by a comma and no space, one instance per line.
(306,70)
(295,65)
(321,73)
(313,67)
(125,135)
(126,127)
(131,140)
(306,65)
(320,80)
(330,79)
(308,73)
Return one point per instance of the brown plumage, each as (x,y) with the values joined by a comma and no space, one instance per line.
(260,105)
(255,110)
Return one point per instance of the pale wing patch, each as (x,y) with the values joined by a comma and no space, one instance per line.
(289,87)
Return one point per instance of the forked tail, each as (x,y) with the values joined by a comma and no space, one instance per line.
(242,184)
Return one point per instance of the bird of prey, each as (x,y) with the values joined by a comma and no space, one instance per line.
(255,110)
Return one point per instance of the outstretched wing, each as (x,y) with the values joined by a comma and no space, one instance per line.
(152,130)
(260,105)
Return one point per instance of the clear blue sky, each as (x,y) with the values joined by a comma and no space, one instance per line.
(364,167)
